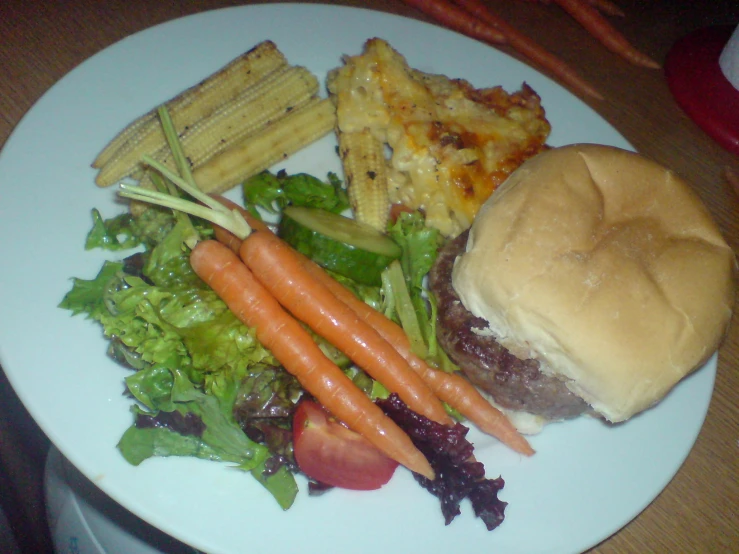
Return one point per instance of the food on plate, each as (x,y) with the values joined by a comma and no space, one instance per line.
(592,281)
(305,345)
(452,144)
(334,455)
(226,378)
(253,112)
(195,103)
(449,387)
(475,19)
(279,140)
(346,246)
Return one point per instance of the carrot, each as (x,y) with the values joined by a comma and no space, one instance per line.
(295,349)
(280,269)
(529,48)
(453,17)
(455,390)
(589,17)
(605,6)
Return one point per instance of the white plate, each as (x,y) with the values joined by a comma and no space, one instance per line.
(585,482)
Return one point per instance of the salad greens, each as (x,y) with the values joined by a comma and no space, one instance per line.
(201,384)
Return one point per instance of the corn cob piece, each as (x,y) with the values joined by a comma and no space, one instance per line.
(363,159)
(260,151)
(136,127)
(145,135)
(273,98)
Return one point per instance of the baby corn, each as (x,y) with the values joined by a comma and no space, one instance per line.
(274,97)
(262,150)
(362,157)
(144,136)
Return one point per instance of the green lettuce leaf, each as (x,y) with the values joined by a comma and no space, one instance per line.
(273,192)
(167,389)
(86,296)
(116,233)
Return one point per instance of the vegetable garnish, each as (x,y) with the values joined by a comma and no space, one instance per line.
(460,476)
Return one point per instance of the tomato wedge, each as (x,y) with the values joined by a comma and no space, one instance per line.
(333,454)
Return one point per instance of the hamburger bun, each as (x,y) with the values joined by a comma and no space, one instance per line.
(606,268)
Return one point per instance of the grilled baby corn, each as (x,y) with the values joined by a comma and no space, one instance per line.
(363,159)
(144,135)
(273,144)
(252,113)
(451,144)
(268,101)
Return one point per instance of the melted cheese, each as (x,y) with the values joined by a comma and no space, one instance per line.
(450,144)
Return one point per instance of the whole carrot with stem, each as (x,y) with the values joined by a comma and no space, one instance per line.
(531,49)
(281,270)
(589,17)
(290,343)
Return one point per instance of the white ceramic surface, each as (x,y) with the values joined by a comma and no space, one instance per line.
(585,482)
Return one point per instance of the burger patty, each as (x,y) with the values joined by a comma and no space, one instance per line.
(513,383)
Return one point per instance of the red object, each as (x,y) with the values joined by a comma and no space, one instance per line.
(700,87)
(333,454)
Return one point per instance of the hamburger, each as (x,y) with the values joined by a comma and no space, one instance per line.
(591,282)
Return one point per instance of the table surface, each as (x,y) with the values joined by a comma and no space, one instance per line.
(697,511)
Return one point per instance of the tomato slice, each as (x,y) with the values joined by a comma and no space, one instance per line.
(397,209)
(333,454)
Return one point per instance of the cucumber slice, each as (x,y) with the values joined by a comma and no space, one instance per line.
(338,243)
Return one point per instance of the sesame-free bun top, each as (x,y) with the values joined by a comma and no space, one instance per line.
(604,266)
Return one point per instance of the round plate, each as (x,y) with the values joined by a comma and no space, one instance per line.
(587,479)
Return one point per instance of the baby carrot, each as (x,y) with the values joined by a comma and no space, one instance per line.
(291,344)
(455,390)
(589,17)
(280,269)
(529,48)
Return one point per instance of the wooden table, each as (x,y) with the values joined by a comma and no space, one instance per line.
(697,512)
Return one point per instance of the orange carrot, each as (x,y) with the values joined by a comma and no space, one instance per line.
(453,17)
(455,390)
(589,17)
(291,344)
(529,48)
(280,269)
